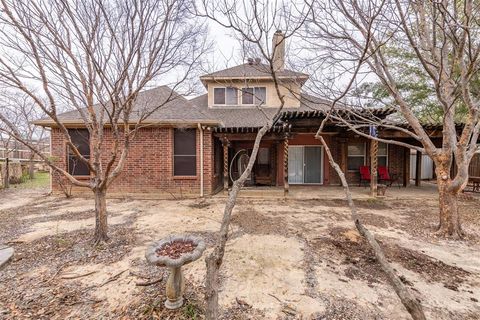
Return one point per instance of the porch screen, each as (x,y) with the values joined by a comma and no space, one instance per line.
(184,152)
(81,139)
(356,156)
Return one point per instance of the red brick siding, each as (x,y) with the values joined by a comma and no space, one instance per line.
(149,165)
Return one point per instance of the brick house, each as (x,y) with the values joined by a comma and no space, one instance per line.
(197,146)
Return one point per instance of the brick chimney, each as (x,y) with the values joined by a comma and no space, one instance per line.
(278,48)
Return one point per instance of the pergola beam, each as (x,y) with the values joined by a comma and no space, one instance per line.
(418,169)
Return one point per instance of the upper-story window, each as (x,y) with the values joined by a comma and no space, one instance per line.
(225,96)
(254,95)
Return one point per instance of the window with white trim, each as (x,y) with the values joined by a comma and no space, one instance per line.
(254,95)
(356,156)
(382,155)
(225,96)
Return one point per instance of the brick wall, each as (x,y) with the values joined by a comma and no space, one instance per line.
(149,165)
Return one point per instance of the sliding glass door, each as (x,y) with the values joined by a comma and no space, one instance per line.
(305,165)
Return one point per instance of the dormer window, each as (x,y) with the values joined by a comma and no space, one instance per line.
(254,95)
(225,96)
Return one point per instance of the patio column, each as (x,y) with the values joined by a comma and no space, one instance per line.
(418,169)
(373,167)
(225,144)
(285,166)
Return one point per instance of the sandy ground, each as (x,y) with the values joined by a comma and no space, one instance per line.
(285,259)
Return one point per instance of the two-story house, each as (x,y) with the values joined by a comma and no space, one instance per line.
(200,146)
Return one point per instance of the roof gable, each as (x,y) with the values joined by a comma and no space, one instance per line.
(253,71)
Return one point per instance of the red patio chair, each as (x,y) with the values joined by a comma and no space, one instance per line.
(385,176)
(364,175)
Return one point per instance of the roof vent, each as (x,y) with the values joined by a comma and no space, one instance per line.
(257,60)
(250,61)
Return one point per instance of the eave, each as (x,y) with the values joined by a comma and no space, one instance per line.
(153,122)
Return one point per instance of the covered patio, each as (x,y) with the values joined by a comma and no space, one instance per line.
(427,190)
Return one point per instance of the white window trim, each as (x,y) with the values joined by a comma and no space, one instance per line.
(254,88)
(358,156)
(386,157)
(225,91)
(225,96)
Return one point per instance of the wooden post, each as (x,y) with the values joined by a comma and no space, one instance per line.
(418,169)
(373,167)
(285,166)
(225,164)
(406,167)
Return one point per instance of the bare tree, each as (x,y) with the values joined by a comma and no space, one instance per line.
(253,24)
(442,39)
(94,57)
(21,111)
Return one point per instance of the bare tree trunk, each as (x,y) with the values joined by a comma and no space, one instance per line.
(101,226)
(31,168)
(449,224)
(410,303)
(214,260)
(6,182)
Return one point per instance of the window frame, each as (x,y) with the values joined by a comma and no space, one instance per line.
(364,156)
(184,176)
(225,96)
(70,155)
(254,96)
(383,156)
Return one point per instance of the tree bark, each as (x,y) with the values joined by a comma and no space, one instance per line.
(215,259)
(6,183)
(408,300)
(31,169)
(101,226)
(449,222)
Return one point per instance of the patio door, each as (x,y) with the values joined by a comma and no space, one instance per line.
(305,165)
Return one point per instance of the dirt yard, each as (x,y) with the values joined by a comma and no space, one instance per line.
(286,259)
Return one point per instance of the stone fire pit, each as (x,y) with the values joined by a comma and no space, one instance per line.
(173,252)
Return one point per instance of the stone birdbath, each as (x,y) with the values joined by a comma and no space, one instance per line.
(173,252)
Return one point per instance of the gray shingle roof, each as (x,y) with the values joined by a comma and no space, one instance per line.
(254,70)
(167,106)
(252,117)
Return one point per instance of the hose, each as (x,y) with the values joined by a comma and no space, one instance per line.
(233,159)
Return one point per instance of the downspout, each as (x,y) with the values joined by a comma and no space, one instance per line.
(201,159)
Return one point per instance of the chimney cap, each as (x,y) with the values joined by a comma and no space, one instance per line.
(279,31)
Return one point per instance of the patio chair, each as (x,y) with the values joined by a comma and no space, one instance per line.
(364,175)
(386,177)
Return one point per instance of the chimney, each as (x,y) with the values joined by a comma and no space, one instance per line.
(278,48)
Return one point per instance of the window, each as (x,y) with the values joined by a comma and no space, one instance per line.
(184,152)
(356,156)
(232,96)
(247,96)
(382,157)
(255,95)
(219,96)
(225,96)
(260,95)
(81,139)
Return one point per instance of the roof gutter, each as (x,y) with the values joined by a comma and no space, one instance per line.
(77,123)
